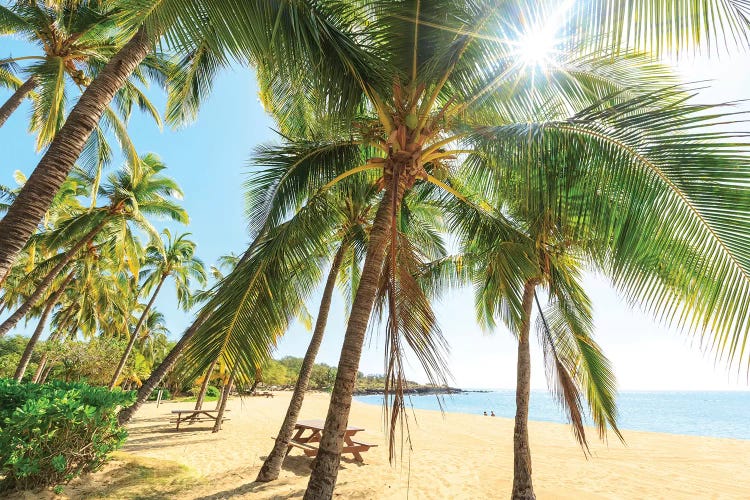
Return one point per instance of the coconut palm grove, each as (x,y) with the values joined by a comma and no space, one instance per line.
(503,150)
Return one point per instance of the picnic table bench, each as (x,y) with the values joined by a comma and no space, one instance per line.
(262,394)
(314,428)
(193,416)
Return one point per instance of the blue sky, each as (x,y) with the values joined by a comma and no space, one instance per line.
(209,160)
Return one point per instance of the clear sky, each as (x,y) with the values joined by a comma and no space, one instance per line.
(209,160)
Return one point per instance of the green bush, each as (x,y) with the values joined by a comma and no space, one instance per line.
(213,392)
(51,433)
(165,394)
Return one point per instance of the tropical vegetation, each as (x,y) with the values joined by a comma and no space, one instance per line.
(54,432)
(540,139)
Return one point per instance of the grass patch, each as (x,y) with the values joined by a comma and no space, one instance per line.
(137,478)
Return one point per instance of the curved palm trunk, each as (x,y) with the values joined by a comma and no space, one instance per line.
(19,313)
(157,375)
(522,487)
(43,362)
(204,386)
(326,465)
(26,356)
(16,99)
(134,336)
(39,369)
(46,373)
(223,402)
(22,218)
(272,465)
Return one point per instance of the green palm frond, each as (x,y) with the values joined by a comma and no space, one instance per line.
(293,172)
(664,28)
(501,255)
(569,326)
(74,41)
(49,106)
(11,22)
(409,319)
(648,159)
(254,304)
(8,78)
(190,83)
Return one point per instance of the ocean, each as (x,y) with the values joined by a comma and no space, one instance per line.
(716,414)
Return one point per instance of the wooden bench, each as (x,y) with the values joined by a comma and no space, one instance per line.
(311,451)
(303,442)
(361,446)
(308,449)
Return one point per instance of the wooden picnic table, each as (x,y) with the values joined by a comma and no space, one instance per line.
(309,431)
(196,416)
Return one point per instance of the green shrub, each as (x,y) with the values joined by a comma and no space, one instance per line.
(213,392)
(51,433)
(165,394)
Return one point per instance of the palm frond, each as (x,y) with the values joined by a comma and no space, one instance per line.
(648,159)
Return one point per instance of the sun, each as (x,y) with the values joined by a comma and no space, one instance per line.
(538,45)
(537,48)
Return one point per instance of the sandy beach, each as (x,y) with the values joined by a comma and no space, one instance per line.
(452,456)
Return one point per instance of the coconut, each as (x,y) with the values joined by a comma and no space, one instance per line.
(411,120)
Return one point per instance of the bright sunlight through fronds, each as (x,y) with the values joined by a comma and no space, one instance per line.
(538,43)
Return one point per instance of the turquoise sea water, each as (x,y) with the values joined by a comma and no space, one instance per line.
(718,414)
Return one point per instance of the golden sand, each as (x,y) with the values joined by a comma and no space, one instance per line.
(452,456)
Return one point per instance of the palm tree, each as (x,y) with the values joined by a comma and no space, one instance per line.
(94,303)
(222,403)
(475,89)
(245,30)
(176,259)
(321,41)
(225,262)
(10,81)
(258,300)
(134,192)
(154,339)
(75,41)
(152,344)
(459,88)
(575,365)
(36,260)
(438,101)
(51,302)
(353,213)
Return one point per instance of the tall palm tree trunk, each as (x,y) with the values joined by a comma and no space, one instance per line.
(134,336)
(40,369)
(326,465)
(19,313)
(522,487)
(204,385)
(223,402)
(45,374)
(272,465)
(16,99)
(53,300)
(22,218)
(157,375)
(43,362)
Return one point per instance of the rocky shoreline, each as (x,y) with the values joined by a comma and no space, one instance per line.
(419,391)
